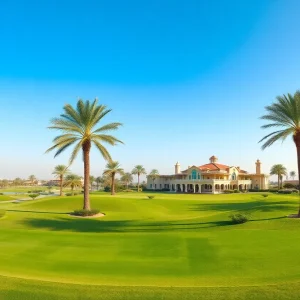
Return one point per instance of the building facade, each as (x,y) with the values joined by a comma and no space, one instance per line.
(211,178)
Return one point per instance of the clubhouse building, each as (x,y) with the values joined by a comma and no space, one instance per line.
(211,178)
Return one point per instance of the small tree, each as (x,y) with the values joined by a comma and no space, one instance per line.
(153,175)
(112,169)
(278,170)
(32,179)
(127,179)
(139,170)
(293,174)
(60,171)
(33,196)
(73,181)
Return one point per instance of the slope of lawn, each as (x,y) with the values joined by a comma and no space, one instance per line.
(143,247)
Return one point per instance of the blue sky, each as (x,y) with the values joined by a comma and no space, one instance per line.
(189,79)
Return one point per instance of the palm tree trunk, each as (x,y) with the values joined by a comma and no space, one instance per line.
(61,185)
(298,161)
(86,147)
(138,182)
(113,183)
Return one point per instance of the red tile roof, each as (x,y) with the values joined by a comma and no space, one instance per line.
(213,167)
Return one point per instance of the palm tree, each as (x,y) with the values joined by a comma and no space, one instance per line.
(153,175)
(32,179)
(60,171)
(138,170)
(112,169)
(293,174)
(127,179)
(73,181)
(284,113)
(278,170)
(77,126)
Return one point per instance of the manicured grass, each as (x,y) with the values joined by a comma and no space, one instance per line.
(186,242)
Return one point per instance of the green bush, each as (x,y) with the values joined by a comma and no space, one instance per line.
(265,195)
(151,197)
(228,191)
(2,213)
(285,191)
(238,218)
(86,212)
(68,194)
(236,191)
(1,194)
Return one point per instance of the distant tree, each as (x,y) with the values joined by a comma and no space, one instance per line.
(284,114)
(127,179)
(293,174)
(32,179)
(77,126)
(98,181)
(60,171)
(278,170)
(33,196)
(18,181)
(139,170)
(92,180)
(73,181)
(153,175)
(112,169)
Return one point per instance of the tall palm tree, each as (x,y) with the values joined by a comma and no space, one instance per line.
(32,179)
(153,175)
(112,169)
(278,170)
(73,181)
(138,170)
(284,114)
(60,171)
(127,179)
(77,126)
(293,174)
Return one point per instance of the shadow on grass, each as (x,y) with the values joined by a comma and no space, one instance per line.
(259,205)
(38,212)
(98,226)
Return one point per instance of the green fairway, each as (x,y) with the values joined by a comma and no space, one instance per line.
(171,247)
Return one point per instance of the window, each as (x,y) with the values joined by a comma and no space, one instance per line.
(194,174)
(160,186)
(189,176)
(199,176)
(155,185)
(233,176)
(150,185)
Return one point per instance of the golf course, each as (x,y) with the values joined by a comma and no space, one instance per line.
(173,246)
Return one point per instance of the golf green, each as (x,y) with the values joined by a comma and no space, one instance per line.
(171,247)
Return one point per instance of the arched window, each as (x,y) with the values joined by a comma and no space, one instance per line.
(194,174)
(233,176)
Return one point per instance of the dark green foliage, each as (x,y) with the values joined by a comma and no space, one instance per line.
(151,197)
(33,196)
(236,191)
(285,192)
(228,191)
(238,218)
(85,212)
(265,195)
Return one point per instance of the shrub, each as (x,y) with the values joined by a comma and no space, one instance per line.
(265,195)
(236,191)
(151,197)
(285,191)
(228,191)
(238,218)
(86,212)
(1,194)
(68,194)
(33,196)
(2,213)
